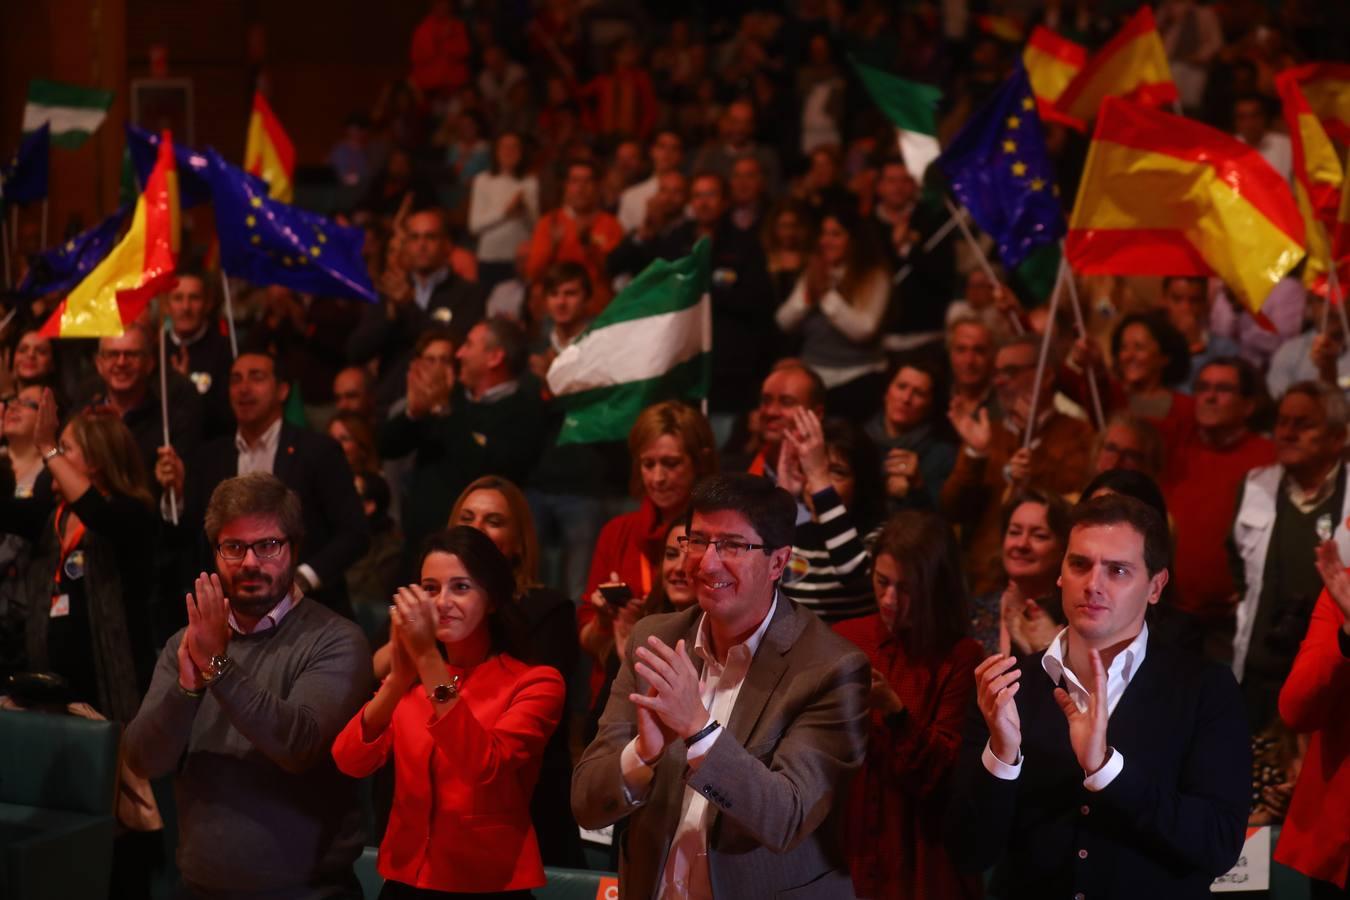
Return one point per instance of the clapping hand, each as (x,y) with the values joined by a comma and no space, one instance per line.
(1332,569)
(971,421)
(415,615)
(674,696)
(996,681)
(1087,727)
(402,670)
(807,438)
(790,475)
(208,631)
(44,430)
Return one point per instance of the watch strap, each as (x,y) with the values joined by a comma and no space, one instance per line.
(703,732)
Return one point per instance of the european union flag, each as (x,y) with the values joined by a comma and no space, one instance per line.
(24,180)
(266,241)
(194,183)
(61,268)
(999,169)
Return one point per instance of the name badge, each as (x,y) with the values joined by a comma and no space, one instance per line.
(60,606)
(74,565)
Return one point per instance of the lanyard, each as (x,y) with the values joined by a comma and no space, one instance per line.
(757,464)
(68,542)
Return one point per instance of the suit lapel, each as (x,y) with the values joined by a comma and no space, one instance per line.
(283,464)
(766,670)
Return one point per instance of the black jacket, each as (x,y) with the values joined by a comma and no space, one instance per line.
(1165,827)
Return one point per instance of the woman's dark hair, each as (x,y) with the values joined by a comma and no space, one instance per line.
(869,491)
(490,570)
(1056,511)
(939,381)
(1171,342)
(923,545)
(522,164)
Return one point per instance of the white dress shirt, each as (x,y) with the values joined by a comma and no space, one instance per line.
(261,456)
(1118,676)
(274,617)
(686,874)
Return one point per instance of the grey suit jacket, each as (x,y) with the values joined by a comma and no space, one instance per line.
(776,777)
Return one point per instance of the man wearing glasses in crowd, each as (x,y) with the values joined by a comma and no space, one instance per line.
(243,707)
(734,725)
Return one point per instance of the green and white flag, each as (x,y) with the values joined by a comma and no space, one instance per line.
(652,343)
(912,109)
(74,112)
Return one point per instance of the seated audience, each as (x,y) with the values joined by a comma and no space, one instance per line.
(1186,302)
(1128,442)
(912,430)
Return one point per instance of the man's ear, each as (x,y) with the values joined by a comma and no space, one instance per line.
(284,391)
(778,560)
(1156,585)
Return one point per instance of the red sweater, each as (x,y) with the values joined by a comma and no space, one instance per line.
(894,822)
(1201,484)
(1316,835)
(462,785)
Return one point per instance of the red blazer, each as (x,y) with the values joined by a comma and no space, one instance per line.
(462,785)
(1316,835)
(893,830)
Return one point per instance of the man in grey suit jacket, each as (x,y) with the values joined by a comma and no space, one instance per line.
(734,727)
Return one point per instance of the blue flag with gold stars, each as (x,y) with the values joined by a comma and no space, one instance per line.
(266,241)
(999,169)
(61,268)
(24,180)
(194,185)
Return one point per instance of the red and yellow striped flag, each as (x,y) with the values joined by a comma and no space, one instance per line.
(141,266)
(1051,62)
(1317,176)
(1166,195)
(1327,89)
(269,153)
(1133,64)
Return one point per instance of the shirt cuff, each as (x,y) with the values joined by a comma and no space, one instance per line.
(700,747)
(311,577)
(998,768)
(1098,780)
(637,775)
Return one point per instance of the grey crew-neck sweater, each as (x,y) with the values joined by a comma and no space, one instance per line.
(262,809)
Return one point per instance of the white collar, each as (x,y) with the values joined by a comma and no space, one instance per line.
(267,439)
(703,640)
(1118,675)
(274,616)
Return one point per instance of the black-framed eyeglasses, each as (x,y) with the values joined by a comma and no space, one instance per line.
(727,548)
(267,548)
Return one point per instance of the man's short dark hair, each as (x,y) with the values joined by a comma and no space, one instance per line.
(430,336)
(566,272)
(1198,281)
(1118,509)
(791,363)
(1249,382)
(510,339)
(769,509)
(256,494)
(279,370)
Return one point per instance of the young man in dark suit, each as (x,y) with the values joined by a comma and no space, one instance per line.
(1119,767)
(311,464)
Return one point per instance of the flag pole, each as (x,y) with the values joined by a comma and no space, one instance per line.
(979,255)
(4,244)
(1093,392)
(229,314)
(937,237)
(42,244)
(164,397)
(1041,361)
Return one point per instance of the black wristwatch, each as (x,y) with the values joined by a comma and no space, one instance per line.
(444,693)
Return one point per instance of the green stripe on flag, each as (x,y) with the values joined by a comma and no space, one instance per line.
(54,93)
(606,414)
(908,105)
(665,286)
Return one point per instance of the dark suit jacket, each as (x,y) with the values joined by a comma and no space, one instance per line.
(312,465)
(1165,827)
(776,777)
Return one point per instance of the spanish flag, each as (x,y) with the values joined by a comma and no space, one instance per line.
(1340,235)
(1327,88)
(140,267)
(269,153)
(1166,195)
(1051,62)
(1133,64)
(1317,176)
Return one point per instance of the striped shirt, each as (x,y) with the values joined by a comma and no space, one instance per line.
(837,581)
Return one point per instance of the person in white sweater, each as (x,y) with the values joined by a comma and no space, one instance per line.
(503,207)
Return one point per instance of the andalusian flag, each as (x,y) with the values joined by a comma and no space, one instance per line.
(1327,88)
(73,112)
(269,153)
(653,342)
(1133,64)
(912,108)
(1317,176)
(141,266)
(1166,195)
(1051,63)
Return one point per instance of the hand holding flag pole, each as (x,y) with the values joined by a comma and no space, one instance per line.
(981,258)
(1042,359)
(164,395)
(229,314)
(1066,273)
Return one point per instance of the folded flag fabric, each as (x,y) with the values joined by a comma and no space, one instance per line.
(1133,64)
(1327,89)
(1051,62)
(141,266)
(73,112)
(24,180)
(1166,195)
(653,342)
(268,152)
(909,106)
(266,241)
(999,168)
(1317,177)
(194,182)
(61,268)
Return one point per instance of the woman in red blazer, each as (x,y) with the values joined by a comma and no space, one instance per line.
(1316,835)
(923,682)
(467,725)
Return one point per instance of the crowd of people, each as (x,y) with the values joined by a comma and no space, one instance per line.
(912,594)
